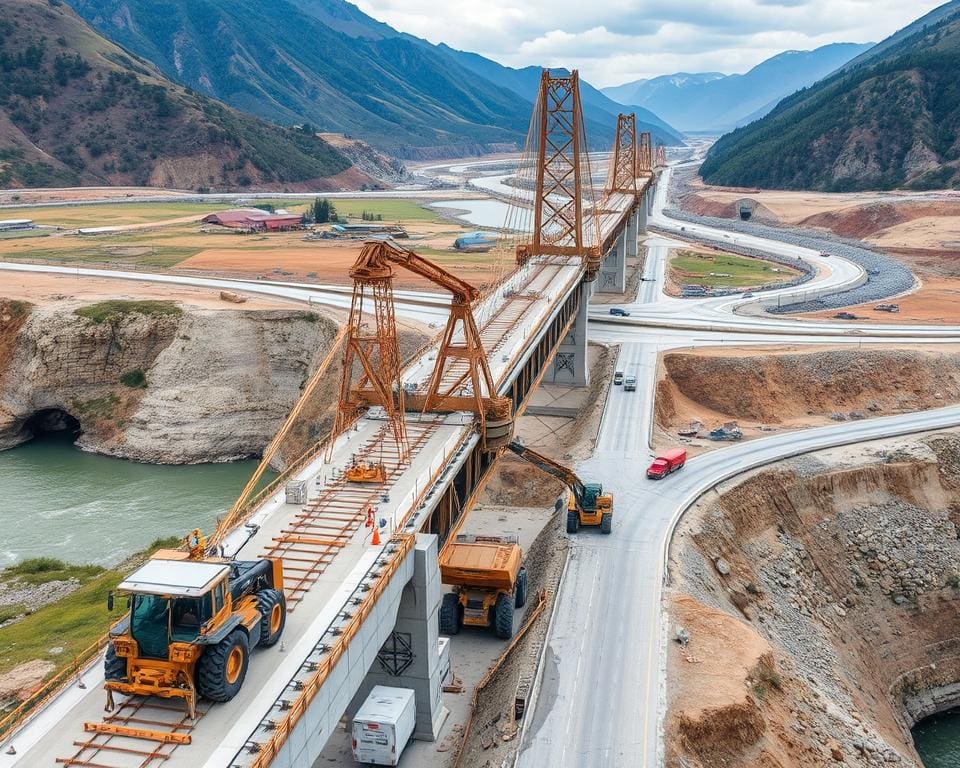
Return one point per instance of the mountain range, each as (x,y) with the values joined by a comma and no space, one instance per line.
(712,101)
(77,109)
(326,63)
(890,119)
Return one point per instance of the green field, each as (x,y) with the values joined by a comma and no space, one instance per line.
(114,255)
(120,214)
(725,270)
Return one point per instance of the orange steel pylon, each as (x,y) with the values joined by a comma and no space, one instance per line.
(645,153)
(661,159)
(622,176)
(563,192)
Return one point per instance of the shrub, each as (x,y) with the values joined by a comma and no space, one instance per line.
(135,379)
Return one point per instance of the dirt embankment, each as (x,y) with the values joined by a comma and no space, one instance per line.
(764,387)
(820,599)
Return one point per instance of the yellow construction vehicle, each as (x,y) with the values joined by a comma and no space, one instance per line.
(366,472)
(489,582)
(587,504)
(190,625)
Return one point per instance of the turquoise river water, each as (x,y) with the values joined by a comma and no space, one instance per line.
(84,508)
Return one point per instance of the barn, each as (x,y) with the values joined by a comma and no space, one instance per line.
(253,219)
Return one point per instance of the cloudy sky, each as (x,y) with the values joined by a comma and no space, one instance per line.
(615,41)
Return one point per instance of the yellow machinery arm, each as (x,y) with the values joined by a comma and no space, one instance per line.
(567,476)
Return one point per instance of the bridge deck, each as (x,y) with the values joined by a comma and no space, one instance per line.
(327,554)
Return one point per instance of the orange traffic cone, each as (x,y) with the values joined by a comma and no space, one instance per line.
(376,536)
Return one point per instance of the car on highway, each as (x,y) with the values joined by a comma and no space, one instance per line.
(619,312)
(845,316)
(630,384)
(666,463)
(618,377)
(748,295)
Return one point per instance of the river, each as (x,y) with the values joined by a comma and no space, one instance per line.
(938,740)
(84,508)
(481,213)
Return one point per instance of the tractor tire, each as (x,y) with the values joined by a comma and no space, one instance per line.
(222,667)
(573,522)
(273,616)
(451,614)
(114,667)
(520,593)
(503,617)
(606,523)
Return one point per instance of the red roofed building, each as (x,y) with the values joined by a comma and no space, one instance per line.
(254,219)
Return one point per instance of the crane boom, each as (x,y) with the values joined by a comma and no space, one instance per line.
(565,475)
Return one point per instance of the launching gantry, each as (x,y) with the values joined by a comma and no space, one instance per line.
(372,366)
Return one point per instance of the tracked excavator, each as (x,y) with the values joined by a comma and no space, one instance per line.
(587,504)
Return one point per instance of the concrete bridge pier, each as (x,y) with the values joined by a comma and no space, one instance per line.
(409,658)
(613,273)
(642,215)
(632,234)
(569,365)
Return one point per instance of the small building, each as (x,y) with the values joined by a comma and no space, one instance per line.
(364,229)
(255,220)
(8,225)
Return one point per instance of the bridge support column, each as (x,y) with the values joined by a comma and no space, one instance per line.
(633,233)
(613,273)
(409,658)
(570,363)
(642,214)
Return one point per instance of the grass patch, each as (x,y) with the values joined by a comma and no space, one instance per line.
(22,234)
(111,311)
(74,622)
(97,407)
(135,379)
(148,256)
(16,307)
(11,612)
(766,677)
(391,210)
(40,570)
(726,270)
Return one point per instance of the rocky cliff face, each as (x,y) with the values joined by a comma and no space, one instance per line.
(820,600)
(181,385)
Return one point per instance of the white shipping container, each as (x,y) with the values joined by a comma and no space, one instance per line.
(383,725)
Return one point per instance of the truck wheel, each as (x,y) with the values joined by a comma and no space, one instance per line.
(606,522)
(451,617)
(503,617)
(222,667)
(114,667)
(573,522)
(273,616)
(520,594)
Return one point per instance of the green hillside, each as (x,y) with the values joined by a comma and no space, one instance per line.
(319,61)
(76,109)
(891,121)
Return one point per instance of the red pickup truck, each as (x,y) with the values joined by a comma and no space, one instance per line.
(667,462)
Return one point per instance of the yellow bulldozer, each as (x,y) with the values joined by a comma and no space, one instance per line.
(190,625)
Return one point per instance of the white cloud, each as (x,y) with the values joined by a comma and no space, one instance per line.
(612,41)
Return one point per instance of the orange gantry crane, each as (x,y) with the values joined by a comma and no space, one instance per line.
(461,378)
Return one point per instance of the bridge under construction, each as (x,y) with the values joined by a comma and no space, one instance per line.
(412,446)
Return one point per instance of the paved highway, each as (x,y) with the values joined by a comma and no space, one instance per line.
(602,690)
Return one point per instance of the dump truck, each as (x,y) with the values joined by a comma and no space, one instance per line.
(667,462)
(587,504)
(489,581)
(190,625)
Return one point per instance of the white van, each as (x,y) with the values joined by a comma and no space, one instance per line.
(383,725)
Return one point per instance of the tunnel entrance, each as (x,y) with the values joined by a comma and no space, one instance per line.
(51,423)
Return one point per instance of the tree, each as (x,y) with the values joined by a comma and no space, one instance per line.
(322,211)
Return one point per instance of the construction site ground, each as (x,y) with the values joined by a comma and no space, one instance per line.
(775,388)
(520,500)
